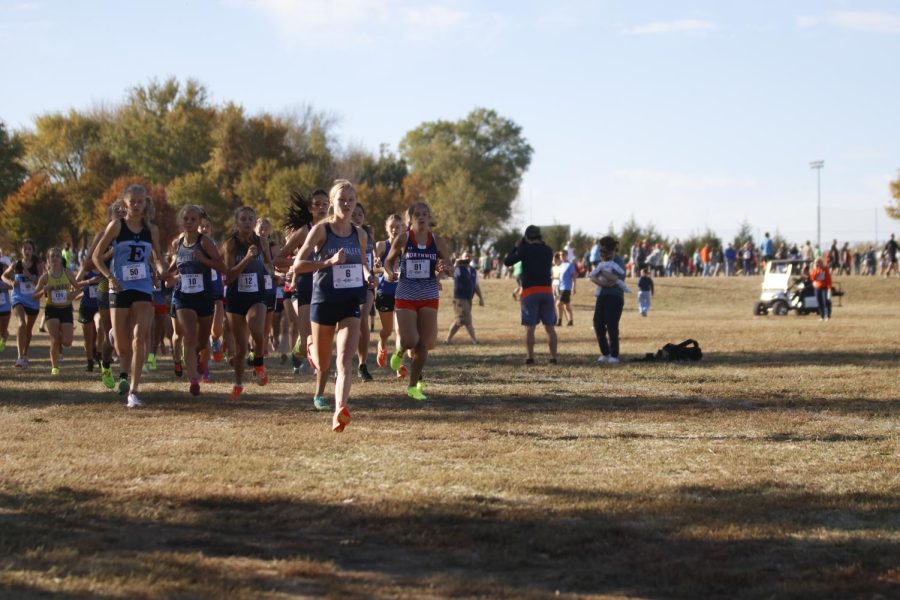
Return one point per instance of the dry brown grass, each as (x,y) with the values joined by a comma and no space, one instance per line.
(770,469)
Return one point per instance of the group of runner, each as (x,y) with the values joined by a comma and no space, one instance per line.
(233,294)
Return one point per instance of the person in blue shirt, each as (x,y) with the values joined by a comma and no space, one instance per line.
(610,301)
(767,250)
(594,256)
(567,279)
(730,260)
(465,287)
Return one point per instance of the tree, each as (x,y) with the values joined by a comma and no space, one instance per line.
(12,171)
(200,188)
(379,200)
(458,208)
(489,148)
(282,183)
(38,210)
(893,211)
(60,144)
(251,189)
(165,217)
(697,240)
(164,129)
(744,234)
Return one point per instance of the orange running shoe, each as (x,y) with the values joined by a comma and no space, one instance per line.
(381,359)
(236,391)
(341,419)
(402,372)
(262,378)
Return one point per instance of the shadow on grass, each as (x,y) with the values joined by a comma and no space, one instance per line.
(692,541)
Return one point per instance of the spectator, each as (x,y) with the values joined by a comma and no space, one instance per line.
(465,287)
(567,281)
(645,292)
(821,280)
(730,260)
(594,257)
(891,251)
(610,301)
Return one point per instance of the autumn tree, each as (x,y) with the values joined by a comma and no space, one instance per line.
(164,218)
(38,210)
(893,209)
(199,188)
(12,171)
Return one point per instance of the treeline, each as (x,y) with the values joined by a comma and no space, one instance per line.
(57,179)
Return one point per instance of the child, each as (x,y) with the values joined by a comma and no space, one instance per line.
(607,270)
(645,292)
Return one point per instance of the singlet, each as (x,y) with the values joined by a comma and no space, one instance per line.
(195,277)
(251,282)
(89,295)
(58,290)
(268,281)
(5,304)
(339,282)
(24,287)
(131,259)
(417,264)
(386,287)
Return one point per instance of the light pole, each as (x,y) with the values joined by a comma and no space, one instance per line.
(817,165)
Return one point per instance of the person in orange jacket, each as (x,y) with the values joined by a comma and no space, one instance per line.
(821,280)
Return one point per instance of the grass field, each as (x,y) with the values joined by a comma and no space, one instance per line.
(768,470)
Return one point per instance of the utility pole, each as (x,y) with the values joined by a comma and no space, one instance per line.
(817,165)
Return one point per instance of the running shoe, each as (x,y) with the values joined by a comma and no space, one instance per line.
(2,344)
(262,378)
(341,420)
(397,359)
(54,371)
(421,385)
(25,364)
(90,367)
(381,358)
(250,357)
(178,368)
(236,391)
(133,401)
(123,386)
(416,394)
(204,376)
(195,387)
(613,360)
(215,348)
(320,403)
(363,372)
(298,348)
(403,372)
(151,361)
(107,378)
(603,360)
(145,368)
(20,364)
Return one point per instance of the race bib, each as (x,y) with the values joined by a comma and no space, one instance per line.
(248,283)
(59,296)
(418,269)
(26,287)
(92,291)
(134,272)
(268,281)
(214,275)
(347,276)
(191,283)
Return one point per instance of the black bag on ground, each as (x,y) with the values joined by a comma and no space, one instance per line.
(686,350)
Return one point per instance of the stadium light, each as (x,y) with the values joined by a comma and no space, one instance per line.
(817,165)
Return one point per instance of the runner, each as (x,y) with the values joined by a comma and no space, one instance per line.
(384,293)
(22,276)
(57,283)
(219,335)
(87,278)
(264,231)
(333,251)
(362,353)
(5,304)
(115,212)
(300,221)
(247,264)
(421,255)
(135,263)
(194,256)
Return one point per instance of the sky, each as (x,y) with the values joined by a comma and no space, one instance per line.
(681,114)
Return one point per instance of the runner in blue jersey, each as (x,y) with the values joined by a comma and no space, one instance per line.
(22,277)
(218,335)
(300,220)
(5,304)
(135,265)
(88,278)
(333,251)
(384,293)
(194,257)
(362,353)
(421,256)
(247,264)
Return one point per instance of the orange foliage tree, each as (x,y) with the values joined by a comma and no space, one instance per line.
(165,214)
(38,210)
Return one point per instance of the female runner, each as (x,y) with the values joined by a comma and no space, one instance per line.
(87,279)
(135,264)
(57,283)
(384,293)
(362,353)
(421,255)
(247,264)
(22,276)
(333,251)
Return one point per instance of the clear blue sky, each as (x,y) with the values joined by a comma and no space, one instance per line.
(686,114)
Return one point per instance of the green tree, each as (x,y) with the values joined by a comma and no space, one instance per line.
(458,207)
(744,234)
(282,183)
(164,130)
(31,210)
(489,148)
(60,144)
(251,189)
(12,171)
(697,240)
(199,188)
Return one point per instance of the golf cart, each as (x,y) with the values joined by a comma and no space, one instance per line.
(786,287)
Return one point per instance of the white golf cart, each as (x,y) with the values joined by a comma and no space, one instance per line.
(786,287)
